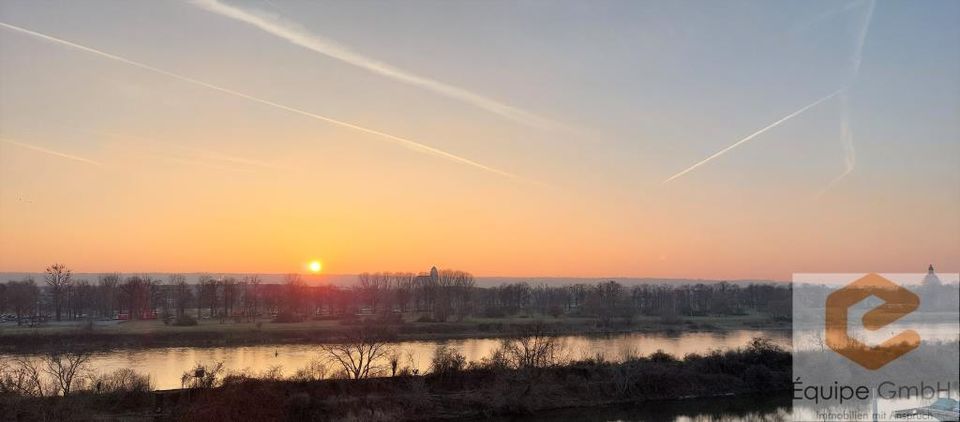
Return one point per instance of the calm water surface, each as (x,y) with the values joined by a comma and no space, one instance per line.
(166,365)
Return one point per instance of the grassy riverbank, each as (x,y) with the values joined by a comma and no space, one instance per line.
(213,333)
(478,390)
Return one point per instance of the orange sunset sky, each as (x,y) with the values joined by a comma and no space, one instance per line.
(504,139)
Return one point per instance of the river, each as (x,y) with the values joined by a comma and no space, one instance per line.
(165,366)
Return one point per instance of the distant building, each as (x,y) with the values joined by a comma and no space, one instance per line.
(931,278)
(423,278)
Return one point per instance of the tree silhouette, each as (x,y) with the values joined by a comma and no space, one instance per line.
(58,278)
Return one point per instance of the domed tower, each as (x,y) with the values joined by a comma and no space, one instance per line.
(931,278)
(434,274)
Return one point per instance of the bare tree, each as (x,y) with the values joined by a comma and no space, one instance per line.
(58,278)
(403,289)
(181,294)
(107,296)
(202,292)
(533,348)
(447,360)
(80,294)
(373,289)
(251,297)
(393,358)
(202,376)
(22,297)
(138,294)
(207,291)
(65,368)
(294,289)
(229,287)
(4,298)
(22,377)
(463,286)
(121,381)
(314,371)
(360,356)
(453,290)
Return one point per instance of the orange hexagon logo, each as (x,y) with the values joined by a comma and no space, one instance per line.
(898,302)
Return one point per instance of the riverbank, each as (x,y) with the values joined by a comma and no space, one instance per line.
(479,390)
(213,333)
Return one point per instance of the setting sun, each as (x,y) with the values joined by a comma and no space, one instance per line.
(315,266)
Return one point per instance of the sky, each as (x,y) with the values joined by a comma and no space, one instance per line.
(688,139)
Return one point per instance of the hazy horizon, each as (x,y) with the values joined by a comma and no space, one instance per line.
(946,277)
(341,279)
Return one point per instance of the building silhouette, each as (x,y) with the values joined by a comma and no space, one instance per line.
(931,279)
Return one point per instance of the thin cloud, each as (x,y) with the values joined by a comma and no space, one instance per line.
(846,132)
(751,136)
(828,15)
(846,139)
(404,142)
(51,152)
(295,34)
(850,158)
(862,38)
(203,153)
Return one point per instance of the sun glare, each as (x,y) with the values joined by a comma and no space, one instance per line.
(315,266)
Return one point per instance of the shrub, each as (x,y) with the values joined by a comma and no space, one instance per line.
(496,361)
(532,348)
(314,371)
(273,373)
(121,381)
(662,357)
(202,376)
(447,360)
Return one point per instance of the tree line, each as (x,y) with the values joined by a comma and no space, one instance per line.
(439,295)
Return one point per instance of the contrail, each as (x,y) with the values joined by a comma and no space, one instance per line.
(51,152)
(295,34)
(407,143)
(846,139)
(753,135)
(208,154)
(827,15)
(861,40)
(846,133)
